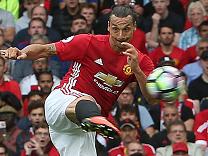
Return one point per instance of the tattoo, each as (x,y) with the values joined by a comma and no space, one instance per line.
(51,49)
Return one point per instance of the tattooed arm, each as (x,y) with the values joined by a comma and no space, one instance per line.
(32,52)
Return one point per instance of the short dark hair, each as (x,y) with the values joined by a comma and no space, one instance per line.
(37,19)
(42,124)
(204,23)
(35,105)
(79,17)
(129,108)
(124,11)
(46,73)
(167,26)
(34,92)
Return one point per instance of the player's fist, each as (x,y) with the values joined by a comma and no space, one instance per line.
(132,56)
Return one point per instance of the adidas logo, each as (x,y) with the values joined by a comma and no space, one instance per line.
(99,61)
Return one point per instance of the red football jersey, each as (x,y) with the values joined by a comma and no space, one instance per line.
(97,69)
(139,40)
(176,55)
(201,127)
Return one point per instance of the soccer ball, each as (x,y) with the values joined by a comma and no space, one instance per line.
(165,83)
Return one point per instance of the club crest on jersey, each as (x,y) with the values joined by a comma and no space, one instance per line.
(127,69)
(67,39)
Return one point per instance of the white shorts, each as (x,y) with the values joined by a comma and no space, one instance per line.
(67,137)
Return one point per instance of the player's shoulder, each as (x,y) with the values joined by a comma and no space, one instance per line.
(144,57)
(87,37)
(100,38)
(139,33)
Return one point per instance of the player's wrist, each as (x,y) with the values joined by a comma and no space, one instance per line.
(138,71)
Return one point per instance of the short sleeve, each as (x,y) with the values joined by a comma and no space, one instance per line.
(73,48)
(146,65)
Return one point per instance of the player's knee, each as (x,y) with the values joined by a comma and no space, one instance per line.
(70,113)
(85,109)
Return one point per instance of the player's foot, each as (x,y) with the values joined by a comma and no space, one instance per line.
(100,125)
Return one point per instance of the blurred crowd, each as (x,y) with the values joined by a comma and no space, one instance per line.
(171,32)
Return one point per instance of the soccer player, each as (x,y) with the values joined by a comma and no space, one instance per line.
(103,66)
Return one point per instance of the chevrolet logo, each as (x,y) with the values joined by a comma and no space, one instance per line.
(109,79)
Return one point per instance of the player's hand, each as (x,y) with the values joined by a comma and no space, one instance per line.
(13,53)
(132,57)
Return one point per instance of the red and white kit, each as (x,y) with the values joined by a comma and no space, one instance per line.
(97,71)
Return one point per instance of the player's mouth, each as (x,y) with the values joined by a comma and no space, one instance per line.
(121,41)
(121,47)
(118,41)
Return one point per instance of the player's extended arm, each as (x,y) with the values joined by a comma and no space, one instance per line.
(33,51)
(141,79)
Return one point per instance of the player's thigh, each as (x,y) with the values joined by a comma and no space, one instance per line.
(56,106)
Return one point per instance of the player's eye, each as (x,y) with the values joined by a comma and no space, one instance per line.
(115,29)
(126,29)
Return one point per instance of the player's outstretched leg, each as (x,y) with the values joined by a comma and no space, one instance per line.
(89,116)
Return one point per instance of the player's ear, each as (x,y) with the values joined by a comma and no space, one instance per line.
(108,26)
